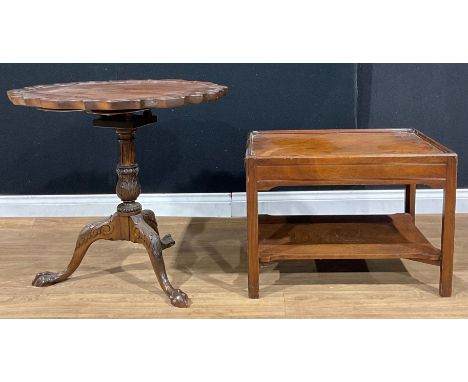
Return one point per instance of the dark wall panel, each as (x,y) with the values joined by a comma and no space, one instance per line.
(432,98)
(191,149)
(201,148)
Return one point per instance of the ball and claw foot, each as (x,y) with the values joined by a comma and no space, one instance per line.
(44,279)
(179,299)
(167,241)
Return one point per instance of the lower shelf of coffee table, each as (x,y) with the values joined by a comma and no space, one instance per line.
(343,237)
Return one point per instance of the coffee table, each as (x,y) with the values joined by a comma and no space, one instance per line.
(124,106)
(348,157)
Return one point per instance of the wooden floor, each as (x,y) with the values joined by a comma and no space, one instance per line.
(208,262)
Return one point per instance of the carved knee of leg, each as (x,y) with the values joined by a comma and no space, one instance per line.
(94,231)
(150,219)
(149,238)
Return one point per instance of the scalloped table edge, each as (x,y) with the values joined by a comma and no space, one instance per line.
(25,97)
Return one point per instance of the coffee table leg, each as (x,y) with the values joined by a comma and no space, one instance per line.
(410,199)
(88,235)
(448,229)
(252,230)
(141,232)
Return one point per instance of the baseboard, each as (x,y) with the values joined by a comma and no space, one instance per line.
(349,202)
(227,204)
(212,204)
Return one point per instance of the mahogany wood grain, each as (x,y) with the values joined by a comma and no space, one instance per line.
(117,95)
(361,171)
(327,143)
(266,185)
(350,157)
(252,232)
(342,237)
(448,229)
(124,106)
(130,222)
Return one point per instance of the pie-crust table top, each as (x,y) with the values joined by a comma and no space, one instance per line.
(117,95)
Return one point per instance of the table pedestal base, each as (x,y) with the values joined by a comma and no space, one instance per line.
(141,228)
(130,222)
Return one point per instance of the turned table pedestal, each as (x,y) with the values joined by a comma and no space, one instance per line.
(124,106)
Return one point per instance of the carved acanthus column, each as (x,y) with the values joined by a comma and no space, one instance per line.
(128,187)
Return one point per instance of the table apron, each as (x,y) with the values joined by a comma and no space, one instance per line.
(433,175)
(333,172)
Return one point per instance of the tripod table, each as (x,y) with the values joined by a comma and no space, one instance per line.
(124,106)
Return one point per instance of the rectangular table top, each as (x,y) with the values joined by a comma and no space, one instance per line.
(335,143)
